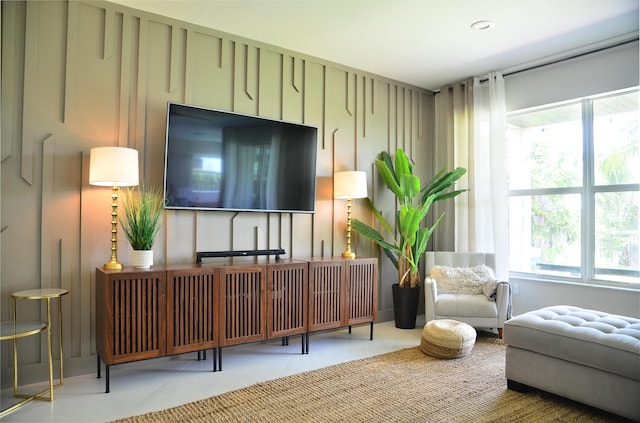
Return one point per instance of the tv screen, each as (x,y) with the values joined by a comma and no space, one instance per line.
(217,160)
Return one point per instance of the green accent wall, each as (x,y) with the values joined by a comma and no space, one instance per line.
(83,74)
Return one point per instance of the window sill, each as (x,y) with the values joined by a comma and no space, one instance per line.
(618,286)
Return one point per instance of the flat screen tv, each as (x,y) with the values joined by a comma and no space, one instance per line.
(217,160)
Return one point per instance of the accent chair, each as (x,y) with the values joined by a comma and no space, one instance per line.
(462,287)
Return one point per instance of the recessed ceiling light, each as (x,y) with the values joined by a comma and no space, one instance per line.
(482,25)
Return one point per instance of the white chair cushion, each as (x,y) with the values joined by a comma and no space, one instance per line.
(465,280)
(464,305)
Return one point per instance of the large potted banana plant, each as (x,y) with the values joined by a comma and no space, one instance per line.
(406,243)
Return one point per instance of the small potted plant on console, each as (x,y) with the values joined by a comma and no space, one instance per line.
(143,208)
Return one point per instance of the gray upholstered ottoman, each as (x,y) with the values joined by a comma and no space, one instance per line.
(584,355)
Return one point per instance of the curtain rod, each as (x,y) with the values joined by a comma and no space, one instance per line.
(574,56)
(564,59)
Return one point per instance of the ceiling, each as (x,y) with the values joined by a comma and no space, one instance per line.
(427,43)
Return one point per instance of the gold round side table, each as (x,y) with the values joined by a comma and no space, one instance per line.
(13,330)
(46,294)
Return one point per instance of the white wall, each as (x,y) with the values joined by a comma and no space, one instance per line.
(605,71)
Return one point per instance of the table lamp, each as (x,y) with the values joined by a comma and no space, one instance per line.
(114,167)
(349,185)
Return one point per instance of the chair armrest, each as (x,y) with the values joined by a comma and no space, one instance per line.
(430,298)
(503,302)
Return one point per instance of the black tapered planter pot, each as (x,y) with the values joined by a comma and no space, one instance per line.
(405,305)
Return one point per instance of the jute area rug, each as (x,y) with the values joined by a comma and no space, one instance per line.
(402,386)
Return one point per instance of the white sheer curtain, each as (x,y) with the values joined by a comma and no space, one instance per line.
(471,132)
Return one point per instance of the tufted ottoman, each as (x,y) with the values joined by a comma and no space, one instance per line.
(447,338)
(584,355)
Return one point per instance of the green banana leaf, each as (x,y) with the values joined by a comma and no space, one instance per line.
(391,251)
(403,165)
(408,241)
(389,177)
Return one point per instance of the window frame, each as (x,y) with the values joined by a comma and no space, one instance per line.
(587,191)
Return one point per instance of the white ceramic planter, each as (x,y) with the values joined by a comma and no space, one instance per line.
(142,259)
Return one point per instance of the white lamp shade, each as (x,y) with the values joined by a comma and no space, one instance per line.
(109,166)
(350,184)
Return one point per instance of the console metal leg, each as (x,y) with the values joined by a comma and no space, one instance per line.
(106,379)
(371,332)
(98,365)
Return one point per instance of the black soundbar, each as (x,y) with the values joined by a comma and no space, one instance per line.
(238,253)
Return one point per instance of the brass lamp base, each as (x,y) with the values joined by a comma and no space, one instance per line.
(113,265)
(349,255)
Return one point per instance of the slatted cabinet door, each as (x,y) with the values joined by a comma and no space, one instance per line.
(242,304)
(362,290)
(326,294)
(286,298)
(130,315)
(192,309)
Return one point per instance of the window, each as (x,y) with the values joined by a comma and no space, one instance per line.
(574,177)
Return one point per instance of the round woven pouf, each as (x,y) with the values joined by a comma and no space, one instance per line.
(447,339)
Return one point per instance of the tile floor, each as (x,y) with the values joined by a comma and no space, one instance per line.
(149,385)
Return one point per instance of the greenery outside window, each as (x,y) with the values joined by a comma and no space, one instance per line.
(574,178)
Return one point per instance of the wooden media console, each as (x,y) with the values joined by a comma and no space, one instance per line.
(167,310)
